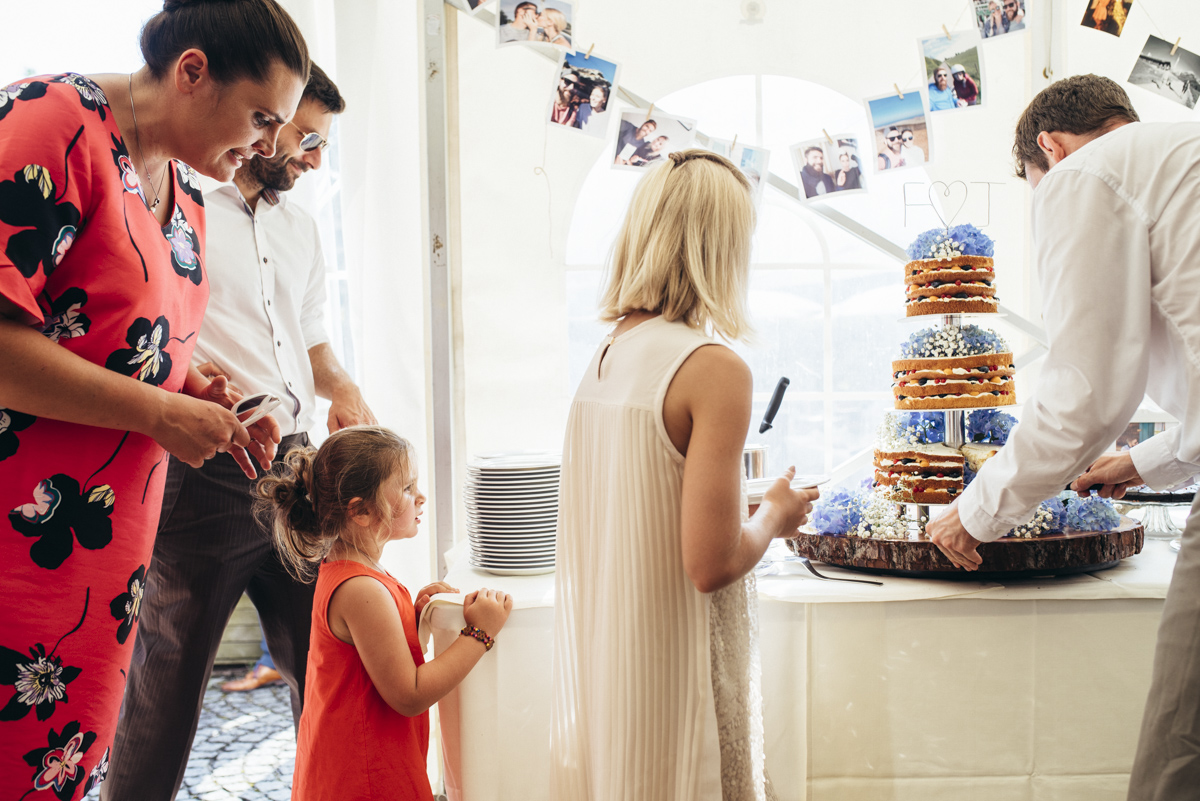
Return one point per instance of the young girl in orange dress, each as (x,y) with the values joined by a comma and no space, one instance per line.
(364,732)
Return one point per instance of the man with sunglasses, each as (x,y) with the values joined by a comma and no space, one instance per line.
(1014,16)
(941,93)
(890,157)
(264,330)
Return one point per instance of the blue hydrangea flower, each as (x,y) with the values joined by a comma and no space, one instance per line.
(838,513)
(967,239)
(952,342)
(1059,512)
(1092,514)
(968,473)
(922,428)
(989,425)
(974,242)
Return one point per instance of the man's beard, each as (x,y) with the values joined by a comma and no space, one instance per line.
(272,173)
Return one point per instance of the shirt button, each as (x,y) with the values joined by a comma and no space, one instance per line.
(264,259)
(280,344)
(268,302)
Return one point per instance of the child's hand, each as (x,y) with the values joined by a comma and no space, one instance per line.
(427,593)
(487,610)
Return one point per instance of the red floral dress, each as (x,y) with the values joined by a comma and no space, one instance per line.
(86,260)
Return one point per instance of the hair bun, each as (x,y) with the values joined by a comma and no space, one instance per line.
(677,157)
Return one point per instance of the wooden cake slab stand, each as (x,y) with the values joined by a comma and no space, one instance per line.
(1007,558)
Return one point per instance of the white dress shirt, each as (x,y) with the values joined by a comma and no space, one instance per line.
(266,300)
(1117,248)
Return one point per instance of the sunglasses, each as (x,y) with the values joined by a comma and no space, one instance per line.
(892,138)
(1010,5)
(907,138)
(259,406)
(310,141)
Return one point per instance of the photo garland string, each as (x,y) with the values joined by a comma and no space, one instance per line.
(585,90)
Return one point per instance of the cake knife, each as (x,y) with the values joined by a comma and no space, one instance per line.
(773,406)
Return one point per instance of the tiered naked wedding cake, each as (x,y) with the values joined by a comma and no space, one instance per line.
(948,381)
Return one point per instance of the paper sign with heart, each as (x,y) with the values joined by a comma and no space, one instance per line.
(946,190)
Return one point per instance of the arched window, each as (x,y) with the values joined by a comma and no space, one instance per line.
(827,307)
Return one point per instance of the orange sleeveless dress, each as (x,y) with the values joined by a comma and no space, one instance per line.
(351,744)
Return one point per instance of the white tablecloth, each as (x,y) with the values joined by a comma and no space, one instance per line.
(918,689)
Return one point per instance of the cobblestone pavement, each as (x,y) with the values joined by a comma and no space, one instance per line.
(245,746)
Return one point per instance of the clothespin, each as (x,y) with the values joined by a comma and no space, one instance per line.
(898,90)
(733,147)
(648,113)
(1176,47)
(946,31)
(830,138)
(588,54)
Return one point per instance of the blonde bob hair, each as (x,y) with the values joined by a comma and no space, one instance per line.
(684,248)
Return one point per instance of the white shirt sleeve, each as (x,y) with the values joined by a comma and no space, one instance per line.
(1093,257)
(1157,462)
(312,316)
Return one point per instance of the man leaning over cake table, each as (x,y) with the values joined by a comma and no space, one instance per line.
(1117,249)
(264,331)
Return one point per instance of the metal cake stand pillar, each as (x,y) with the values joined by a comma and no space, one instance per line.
(916,515)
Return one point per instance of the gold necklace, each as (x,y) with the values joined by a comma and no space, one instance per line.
(137,136)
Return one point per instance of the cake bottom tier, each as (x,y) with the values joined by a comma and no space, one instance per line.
(983,400)
(918,308)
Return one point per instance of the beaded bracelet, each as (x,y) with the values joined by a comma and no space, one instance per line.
(479,634)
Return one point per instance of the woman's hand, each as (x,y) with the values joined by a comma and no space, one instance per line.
(194,430)
(792,506)
(487,610)
(426,594)
(264,432)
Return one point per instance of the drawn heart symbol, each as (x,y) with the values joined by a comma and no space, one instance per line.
(945,192)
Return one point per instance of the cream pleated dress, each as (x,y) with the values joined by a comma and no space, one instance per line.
(656,685)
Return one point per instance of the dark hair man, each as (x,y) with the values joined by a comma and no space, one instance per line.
(264,331)
(1117,251)
(812,174)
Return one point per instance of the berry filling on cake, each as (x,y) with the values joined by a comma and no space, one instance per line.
(951,272)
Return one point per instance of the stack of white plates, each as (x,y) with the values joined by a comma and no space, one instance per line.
(512,512)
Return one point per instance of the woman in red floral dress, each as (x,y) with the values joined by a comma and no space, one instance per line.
(102,292)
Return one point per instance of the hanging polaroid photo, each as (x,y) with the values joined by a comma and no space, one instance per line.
(953,70)
(722,147)
(901,130)
(644,140)
(753,161)
(584,94)
(998,17)
(828,166)
(544,22)
(1175,77)
(475,5)
(1106,15)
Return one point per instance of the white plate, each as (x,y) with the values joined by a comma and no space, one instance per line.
(520,460)
(515,512)
(517,564)
(512,532)
(522,571)
(527,496)
(542,555)
(513,542)
(511,536)
(756,488)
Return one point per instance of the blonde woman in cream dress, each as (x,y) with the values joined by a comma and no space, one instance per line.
(656,666)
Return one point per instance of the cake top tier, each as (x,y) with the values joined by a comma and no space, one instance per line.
(953,341)
(947,243)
